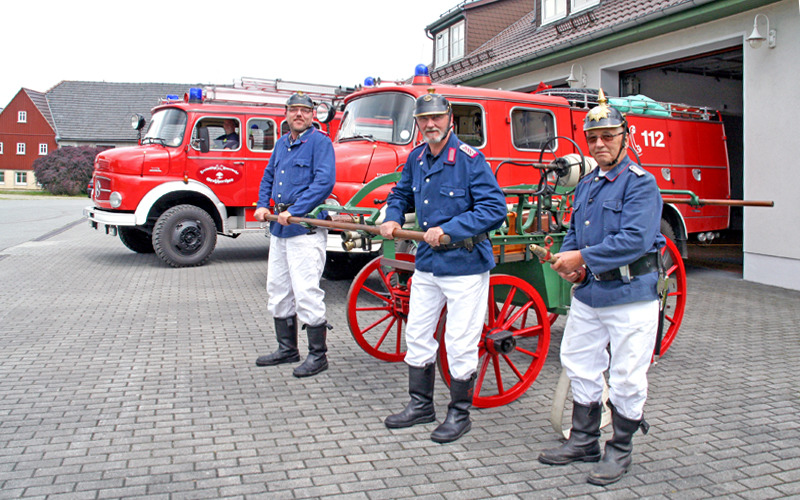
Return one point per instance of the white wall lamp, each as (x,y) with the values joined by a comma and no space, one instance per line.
(756,38)
(572,80)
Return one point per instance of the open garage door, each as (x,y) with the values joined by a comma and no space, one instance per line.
(712,79)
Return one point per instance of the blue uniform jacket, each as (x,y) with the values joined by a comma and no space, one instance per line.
(457,192)
(300,172)
(615,220)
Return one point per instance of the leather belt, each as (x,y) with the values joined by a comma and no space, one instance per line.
(648,263)
(468,243)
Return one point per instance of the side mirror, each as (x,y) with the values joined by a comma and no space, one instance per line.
(203,140)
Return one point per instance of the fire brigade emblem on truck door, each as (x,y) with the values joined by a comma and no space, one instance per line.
(219,175)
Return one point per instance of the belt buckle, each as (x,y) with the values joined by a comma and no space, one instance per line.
(469,243)
(625,273)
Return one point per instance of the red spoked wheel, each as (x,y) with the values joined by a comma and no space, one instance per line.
(676,294)
(377,308)
(513,346)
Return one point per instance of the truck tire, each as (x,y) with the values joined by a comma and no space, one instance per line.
(184,236)
(668,231)
(135,239)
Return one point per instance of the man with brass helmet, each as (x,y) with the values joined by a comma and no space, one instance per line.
(453,190)
(299,177)
(615,238)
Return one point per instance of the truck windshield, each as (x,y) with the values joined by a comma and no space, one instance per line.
(166,128)
(386,117)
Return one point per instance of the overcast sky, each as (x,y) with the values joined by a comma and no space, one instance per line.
(336,42)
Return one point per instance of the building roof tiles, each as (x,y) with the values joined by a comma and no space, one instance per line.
(100,111)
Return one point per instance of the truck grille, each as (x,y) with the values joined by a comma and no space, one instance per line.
(102,188)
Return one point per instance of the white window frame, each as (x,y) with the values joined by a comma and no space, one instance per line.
(579,5)
(1,148)
(20,148)
(442,48)
(553,10)
(457,40)
(22,117)
(42,149)
(17,176)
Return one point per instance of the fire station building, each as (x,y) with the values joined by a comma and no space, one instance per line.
(736,56)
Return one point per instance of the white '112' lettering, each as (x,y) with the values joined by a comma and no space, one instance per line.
(653,138)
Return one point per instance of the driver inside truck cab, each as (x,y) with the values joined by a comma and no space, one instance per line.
(230,139)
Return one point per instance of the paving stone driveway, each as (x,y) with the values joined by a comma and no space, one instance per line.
(123,378)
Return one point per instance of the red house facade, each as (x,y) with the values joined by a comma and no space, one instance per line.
(26,133)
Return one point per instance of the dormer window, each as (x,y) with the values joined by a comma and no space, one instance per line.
(553,10)
(450,44)
(582,4)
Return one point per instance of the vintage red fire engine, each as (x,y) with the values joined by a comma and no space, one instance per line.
(684,147)
(188,179)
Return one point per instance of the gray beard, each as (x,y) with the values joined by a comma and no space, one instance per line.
(436,140)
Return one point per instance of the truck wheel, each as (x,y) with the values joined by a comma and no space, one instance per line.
(184,235)
(135,239)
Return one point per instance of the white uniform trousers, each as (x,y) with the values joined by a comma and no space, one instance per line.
(630,330)
(293,274)
(466,299)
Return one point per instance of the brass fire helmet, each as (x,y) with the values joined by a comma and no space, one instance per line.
(604,116)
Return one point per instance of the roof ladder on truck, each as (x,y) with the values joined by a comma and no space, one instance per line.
(273,92)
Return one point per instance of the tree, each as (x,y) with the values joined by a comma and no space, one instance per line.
(67,170)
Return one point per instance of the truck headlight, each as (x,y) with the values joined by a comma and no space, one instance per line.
(115,199)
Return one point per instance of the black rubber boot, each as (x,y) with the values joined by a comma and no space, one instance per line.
(317,361)
(286,333)
(583,444)
(617,458)
(420,409)
(457,422)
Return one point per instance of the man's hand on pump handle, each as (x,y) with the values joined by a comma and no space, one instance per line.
(569,265)
(261,216)
(432,236)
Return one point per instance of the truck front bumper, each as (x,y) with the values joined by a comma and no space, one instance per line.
(97,216)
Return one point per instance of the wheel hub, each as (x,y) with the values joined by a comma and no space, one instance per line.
(500,341)
(188,236)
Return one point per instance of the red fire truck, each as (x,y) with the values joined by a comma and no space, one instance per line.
(682,146)
(187,181)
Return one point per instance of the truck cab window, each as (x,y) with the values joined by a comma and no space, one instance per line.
(468,123)
(223,133)
(260,134)
(531,129)
(166,128)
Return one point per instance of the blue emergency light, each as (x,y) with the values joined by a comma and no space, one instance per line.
(195,94)
(421,76)
(369,82)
